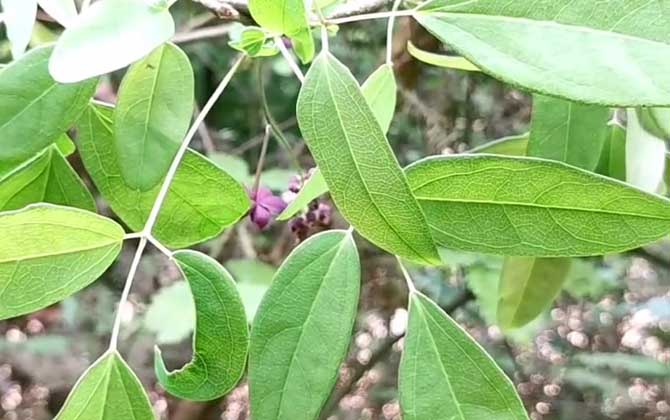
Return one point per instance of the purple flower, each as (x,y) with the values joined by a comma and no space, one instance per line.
(265,207)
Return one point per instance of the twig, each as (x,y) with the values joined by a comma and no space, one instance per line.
(369,16)
(261,159)
(202,34)
(203,131)
(389,34)
(289,59)
(227,9)
(358,7)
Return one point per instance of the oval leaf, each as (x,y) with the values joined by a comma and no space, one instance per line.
(47,178)
(303,327)
(152,115)
(528,286)
(568,131)
(34,109)
(445,375)
(287,17)
(533,207)
(203,199)
(54,252)
(549,47)
(19,16)
(364,177)
(63,11)
(221,339)
(108,390)
(108,36)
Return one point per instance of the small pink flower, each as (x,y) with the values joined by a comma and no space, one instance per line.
(265,207)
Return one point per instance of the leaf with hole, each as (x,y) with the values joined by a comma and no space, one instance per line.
(29,95)
(54,252)
(565,48)
(432,386)
(108,36)
(108,390)
(485,203)
(152,115)
(221,339)
(47,178)
(364,177)
(202,201)
(302,329)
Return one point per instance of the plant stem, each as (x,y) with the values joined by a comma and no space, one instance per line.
(369,16)
(324,39)
(291,62)
(113,342)
(146,235)
(389,34)
(261,158)
(153,216)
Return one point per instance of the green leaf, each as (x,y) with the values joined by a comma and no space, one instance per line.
(34,109)
(364,177)
(108,390)
(302,330)
(488,204)
(221,339)
(54,252)
(549,47)
(645,156)
(656,121)
(254,42)
(568,131)
(613,159)
(203,199)
(236,167)
(152,115)
(254,279)
(19,16)
(380,91)
(171,314)
(65,145)
(528,286)
(314,187)
(445,375)
(63,11)
(47,178)
(440,60)
(108,36)
(287,17)
(510,146)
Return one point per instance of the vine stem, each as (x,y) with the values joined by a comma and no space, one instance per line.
(370,16)
(261,158)
(408,278)
(146,236)
(389,33)
(113,342)
(289,59)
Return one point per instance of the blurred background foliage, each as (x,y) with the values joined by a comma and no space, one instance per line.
(601,352)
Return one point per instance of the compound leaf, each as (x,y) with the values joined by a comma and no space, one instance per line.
(35,110)
(221,339)
(108,390)
(445,375)
(203,198)
(108,36)
(488,204)
(152,115)
(364,177)
(549,47)
(302,329)
(53,252)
